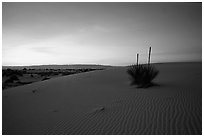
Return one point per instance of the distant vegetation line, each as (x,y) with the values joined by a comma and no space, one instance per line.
(16,77)
(76,66)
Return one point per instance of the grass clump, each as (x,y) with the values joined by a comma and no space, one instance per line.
(142,75)
(46,78)
(12,79)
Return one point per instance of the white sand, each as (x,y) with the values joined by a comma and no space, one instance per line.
(103,102)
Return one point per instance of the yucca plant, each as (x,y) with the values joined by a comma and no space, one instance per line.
(142,75)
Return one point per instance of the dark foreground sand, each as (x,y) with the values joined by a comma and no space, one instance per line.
(103,102)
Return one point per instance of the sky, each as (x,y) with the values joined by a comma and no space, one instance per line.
(100,33)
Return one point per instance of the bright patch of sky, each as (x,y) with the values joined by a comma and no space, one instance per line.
(100,33)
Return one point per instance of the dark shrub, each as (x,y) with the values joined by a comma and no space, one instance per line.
(3,86)
(45,73)
(9,81)
(24,70)
(46,78)
(12,79)
(67,73)
(142,75)
(10,72)
(55,73)
(7,72)
(18,72)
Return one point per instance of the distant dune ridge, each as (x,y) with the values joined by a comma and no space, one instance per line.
(104,102)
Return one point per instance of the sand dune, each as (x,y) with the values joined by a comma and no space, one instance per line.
(103,102)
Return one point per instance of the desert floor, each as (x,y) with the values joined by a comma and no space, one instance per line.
(104,102)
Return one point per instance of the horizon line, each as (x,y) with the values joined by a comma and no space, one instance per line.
(98,64)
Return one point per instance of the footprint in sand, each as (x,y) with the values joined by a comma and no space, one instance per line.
(34,91)
(98,109)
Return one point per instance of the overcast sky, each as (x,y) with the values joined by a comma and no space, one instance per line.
(100,33)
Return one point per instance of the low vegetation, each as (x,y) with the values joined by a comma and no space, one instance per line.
(142,75)
(17,77)
(12,78)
